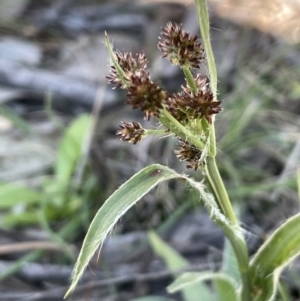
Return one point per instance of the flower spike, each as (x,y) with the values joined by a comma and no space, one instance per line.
(190,153)
(180,48)
(129,65)
(146,95)
(131,132)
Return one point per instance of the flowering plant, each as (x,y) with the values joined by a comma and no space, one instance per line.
(189,115)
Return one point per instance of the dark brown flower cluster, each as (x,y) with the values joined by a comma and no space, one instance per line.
(131,132)
(192,103)
(129,66)
(187,105)
(179,47)
(146,95)
(142,92)
(190,153)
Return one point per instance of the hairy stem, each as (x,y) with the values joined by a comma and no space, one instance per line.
(218,187)
(203,21)
(190,79)
(177,128)
(213,175)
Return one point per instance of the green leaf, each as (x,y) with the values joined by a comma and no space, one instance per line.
(175,261)
(226,290)
(12,195)
(20,219)
(278,251)
(191,278)
(70,148)
(124,198)
(230,265)
(153,298)
(230,268)
(203,21)
(113,209)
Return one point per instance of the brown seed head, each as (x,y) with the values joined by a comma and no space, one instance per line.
(129,65)
(177,108)
(187,105)
(146,95)
(188,152)
(131,132)
(179,47)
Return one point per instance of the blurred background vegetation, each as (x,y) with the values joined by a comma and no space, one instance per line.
(60,159)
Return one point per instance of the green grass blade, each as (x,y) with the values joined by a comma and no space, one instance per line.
(12,194)
(113,209)
(125,197)
(226,290)
(284,293)
(71,148)
(229,290)
(19,219)
(175,261)
(230,265)
(203,20)
(278,251)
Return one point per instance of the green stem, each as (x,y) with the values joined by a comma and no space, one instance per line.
(177,128)
(203,21)
(216,183)
(238,243)
(190,79)
(213,175)
(212,140)
(241,252)
(155,132)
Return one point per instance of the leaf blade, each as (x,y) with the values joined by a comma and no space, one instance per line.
(114,207)
(140,184)
(277,252)
(12,194)
(70,148)
(175,261)
(192,278)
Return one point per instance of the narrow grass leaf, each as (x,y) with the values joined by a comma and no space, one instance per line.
(175,261)
(284,292)
(12,195)
(25,218)
(227,290)
(114,208)
(230,265)
(125,197)
(203,20)
(71,148)
(277,252)
(187,279)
